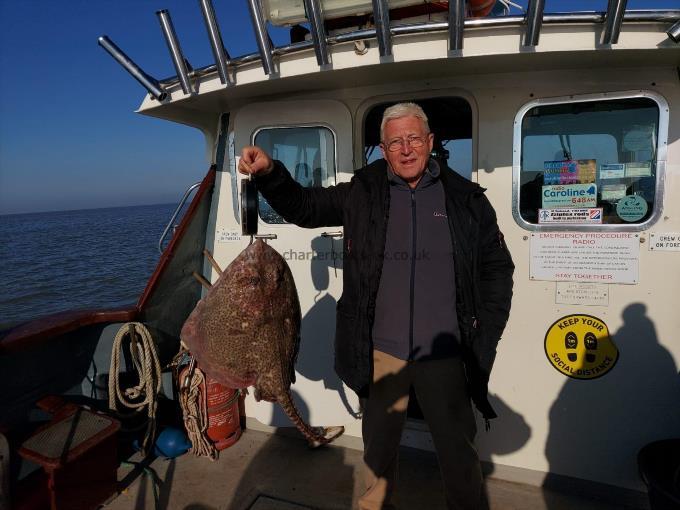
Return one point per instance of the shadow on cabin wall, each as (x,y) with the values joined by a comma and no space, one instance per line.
(597,426)
(507,434)
(316,357)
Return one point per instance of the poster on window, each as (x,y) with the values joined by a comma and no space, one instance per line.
(569,171)
(639,169)
(612,192)
(569,195)
(612,171)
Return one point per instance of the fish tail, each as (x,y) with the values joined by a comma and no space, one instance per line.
(289,407)
(316,436)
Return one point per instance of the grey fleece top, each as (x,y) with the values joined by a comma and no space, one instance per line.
(415,314)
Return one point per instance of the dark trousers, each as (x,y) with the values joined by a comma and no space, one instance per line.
(441,389)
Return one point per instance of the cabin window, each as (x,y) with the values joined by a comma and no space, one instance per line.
(588,163)
(307,152)
(450,120)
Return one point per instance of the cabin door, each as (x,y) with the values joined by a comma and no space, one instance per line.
(314,141)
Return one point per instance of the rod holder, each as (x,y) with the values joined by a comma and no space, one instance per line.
(216,43)
(674,32)
(148,82)
(456,24)
(381,15)
(534,20)
(612,22)
(315,16)
(263,42)
(175,50)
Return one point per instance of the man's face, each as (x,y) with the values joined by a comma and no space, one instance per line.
(407,161)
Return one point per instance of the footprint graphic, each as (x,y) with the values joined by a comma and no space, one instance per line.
(571,342)
(590,341)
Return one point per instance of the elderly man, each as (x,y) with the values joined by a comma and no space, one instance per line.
(427,289)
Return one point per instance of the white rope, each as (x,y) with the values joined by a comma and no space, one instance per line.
(193,400)
(145,393)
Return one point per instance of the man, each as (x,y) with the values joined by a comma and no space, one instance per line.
(427,286)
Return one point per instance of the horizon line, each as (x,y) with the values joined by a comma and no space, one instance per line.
(86,209)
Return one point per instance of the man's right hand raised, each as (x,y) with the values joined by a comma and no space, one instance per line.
(255,161)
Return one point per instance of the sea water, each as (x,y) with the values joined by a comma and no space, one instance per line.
(69,260)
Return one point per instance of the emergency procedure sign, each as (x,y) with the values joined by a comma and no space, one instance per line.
(603,257)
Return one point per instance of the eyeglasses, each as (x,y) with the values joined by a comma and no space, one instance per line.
(414,142)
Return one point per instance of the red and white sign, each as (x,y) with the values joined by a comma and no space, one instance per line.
(571,215)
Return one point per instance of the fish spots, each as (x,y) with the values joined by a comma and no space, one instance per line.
(248,328)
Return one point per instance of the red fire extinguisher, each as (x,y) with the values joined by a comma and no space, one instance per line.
(220,403)
(224,427)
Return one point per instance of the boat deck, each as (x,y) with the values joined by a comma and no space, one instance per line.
(278,472)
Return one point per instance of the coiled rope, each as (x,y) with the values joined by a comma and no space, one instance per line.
(145,393)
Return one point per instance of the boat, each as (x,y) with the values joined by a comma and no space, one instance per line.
(569,120)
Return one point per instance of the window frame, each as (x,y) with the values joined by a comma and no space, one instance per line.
(661,154)
(259,129)
(418,94)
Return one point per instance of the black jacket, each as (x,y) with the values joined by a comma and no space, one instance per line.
(482,263)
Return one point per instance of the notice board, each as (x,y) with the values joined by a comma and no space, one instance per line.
(603,257)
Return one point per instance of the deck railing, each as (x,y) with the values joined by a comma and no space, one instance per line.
(456,24)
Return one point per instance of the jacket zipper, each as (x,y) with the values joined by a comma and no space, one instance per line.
(472,271)
(414,237)
(373,290)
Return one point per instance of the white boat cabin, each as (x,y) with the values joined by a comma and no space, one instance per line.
(576,141)
(570,121)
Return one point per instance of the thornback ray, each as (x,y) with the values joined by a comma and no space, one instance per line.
(246,332)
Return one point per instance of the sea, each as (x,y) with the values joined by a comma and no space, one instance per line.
(86,259)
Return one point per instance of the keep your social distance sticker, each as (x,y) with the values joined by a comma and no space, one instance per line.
(579,346)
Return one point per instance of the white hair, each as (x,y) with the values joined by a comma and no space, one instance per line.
(400,110)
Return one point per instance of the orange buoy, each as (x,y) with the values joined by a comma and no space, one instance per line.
(480,8)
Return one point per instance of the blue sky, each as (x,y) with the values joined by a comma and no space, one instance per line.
(69,137)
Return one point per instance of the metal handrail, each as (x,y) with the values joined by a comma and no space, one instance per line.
(174,215)
(315,14)
(381,17)
(612,23)
(221,55)
(175,50)
(262,36)
(630,16)
(534,22)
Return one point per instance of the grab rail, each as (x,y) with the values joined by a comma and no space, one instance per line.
(174,215)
